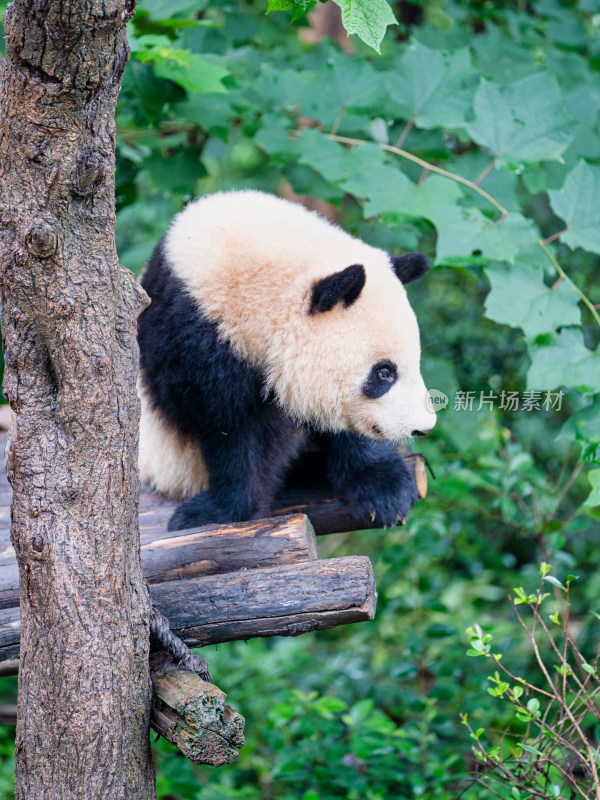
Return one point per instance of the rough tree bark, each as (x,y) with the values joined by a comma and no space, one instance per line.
(68,314)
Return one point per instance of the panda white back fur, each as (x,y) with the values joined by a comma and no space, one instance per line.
(267,321)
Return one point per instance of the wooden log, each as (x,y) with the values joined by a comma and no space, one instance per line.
(274,601)
(192,714)
(327,514)
(8,714)
(283,600)
(212,549)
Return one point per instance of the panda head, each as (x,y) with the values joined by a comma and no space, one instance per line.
(351,360)
(322,316)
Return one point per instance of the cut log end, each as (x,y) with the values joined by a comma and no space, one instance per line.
(192,715)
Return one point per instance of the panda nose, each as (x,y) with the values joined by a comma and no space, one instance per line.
(421,433)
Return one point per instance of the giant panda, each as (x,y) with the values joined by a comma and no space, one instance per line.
(269,325)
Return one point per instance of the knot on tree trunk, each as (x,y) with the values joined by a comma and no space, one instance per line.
(42,241)
(89,172)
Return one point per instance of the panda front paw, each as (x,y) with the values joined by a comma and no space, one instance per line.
(383,503)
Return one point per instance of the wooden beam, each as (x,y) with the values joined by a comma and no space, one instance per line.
(214,549)
(283,600)
(275,601)
(209,550)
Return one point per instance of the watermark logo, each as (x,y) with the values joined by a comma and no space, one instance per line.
(488,401)
(435,400)
(508,401)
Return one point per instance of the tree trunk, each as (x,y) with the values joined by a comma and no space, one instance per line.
(68,323)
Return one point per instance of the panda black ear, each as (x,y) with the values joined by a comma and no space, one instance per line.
(344,287)
(410,267)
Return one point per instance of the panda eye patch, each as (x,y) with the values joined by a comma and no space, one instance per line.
(382,377)
(385,374)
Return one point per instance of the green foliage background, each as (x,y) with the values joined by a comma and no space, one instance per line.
(506,96)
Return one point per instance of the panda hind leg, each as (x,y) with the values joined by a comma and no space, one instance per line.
(372,477)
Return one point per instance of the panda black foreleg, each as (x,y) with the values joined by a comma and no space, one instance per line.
(246,468)
(372,477)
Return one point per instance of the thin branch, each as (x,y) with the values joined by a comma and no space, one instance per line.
(555,236)
(484,173)
(576,726)
(473,186)
(565,277)
(426,165)
(338,121)
(406,130)
(570,481)
(509,778)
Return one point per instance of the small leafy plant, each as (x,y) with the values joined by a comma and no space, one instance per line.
(549,749)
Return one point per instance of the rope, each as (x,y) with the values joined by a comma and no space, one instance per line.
(161,636)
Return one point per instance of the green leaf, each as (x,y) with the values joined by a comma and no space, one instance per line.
(529,749)
(584,425)
(594,497)
(165,9)
(214,112)
(178,172)
(533,705)
(301,8)
(358,84)
(299,90)
(436,87)
(278,5)
(520,298)
(525,121)
(274,138)
(189,70)
(463,232)
(195,73)
(499,56)
(554,581)
(564,361)
(563,669)
(368,19)
(329,705)
(383,188)
(333,161)
(577,203)
(151,42)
